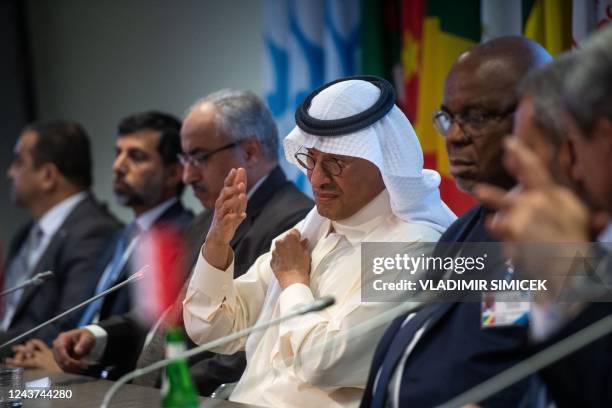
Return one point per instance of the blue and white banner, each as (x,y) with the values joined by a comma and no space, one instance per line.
(307,43)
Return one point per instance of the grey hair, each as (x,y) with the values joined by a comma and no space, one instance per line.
(545,86)
(241,115)
(588,90)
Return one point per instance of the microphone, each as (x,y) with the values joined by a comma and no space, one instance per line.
(317,305)
(136,276)
(534,363)
(33,281)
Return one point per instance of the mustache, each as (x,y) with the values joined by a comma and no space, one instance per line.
(326,188)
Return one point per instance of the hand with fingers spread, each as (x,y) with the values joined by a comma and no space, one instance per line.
(69,349)
(33,354)
(536,211)
(291,260)
(230,210)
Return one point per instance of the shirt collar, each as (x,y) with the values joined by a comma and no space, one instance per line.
(147,218)
(256,186)
(360,224)
(606,234)
(52,220)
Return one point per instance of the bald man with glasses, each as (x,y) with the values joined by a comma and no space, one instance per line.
(426,358)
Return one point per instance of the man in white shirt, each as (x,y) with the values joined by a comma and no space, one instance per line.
(51,177)
(365,166)
(225,129)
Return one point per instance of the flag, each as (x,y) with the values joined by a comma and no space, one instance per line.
(160,255)
(588,16)
(436,32)
(307,44)
(549,22)
(500,18)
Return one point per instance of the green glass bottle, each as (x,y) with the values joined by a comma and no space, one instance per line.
(177,389)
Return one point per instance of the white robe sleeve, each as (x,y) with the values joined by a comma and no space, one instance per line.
(216,304)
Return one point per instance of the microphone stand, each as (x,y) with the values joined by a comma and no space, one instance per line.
(34,280)
(317,305)
(136,276)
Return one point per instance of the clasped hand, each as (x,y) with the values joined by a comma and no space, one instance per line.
(291,260)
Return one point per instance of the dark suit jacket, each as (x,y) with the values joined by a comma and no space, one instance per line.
(583,378)
(275,207)
(72,255)
(455,353)
(176,216)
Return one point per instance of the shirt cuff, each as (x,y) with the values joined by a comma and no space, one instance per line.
(101,335)
(546,320)
(293,297)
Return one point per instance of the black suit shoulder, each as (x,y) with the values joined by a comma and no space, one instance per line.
(584,378)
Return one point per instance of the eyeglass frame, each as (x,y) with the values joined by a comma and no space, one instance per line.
(461,120)
(325,167)
(190,158)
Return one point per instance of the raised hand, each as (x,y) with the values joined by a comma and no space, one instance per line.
(230,210)
(291,260)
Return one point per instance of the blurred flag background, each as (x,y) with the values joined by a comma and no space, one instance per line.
(412,43)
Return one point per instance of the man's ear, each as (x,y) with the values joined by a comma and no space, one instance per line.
(252,151)
(50,176)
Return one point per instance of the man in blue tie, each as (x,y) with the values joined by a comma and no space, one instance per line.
(148,181)
(427,357)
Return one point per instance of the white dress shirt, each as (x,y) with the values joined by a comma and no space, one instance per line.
(287,365)
(52,220)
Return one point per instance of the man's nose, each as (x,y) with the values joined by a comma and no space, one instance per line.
(456,135)
(190,173)
(318,175)
(119,164)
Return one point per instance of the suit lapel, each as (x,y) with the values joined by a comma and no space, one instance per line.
(44,263)
(46,260)
(275,180)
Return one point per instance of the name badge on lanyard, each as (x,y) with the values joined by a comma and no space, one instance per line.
(504,309)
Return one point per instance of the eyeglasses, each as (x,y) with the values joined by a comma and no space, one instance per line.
(330,165)
(470,123)
(200,158)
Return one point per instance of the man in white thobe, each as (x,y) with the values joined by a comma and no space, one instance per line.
(365,165)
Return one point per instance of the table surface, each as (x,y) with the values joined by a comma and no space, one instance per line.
(89,392)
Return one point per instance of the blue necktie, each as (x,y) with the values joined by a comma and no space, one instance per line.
(111,272)
(396,350)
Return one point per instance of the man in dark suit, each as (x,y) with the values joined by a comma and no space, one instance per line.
(224,130)
(545,211)
(426,358)
(148,181)
(51,177)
